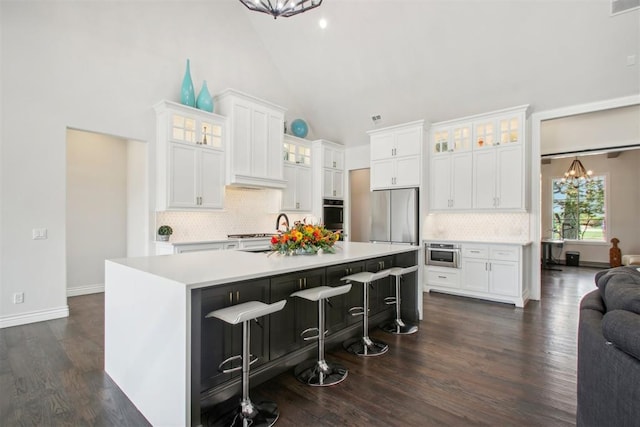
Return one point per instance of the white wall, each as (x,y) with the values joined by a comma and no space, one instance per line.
(96,207)
(98,66)
(609,128)
(138,217)
(623,203)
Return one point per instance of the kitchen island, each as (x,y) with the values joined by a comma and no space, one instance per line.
(164,354)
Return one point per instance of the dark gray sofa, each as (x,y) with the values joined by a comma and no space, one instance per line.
(609,351)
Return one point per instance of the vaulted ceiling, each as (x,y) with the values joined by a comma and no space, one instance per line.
(438,60)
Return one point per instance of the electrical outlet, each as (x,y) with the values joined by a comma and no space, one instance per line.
(18,298)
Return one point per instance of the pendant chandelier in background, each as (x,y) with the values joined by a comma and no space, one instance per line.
(284,8)
(576,174)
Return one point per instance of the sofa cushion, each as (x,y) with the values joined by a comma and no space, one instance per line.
(604,277)
(622,294)
(622,329)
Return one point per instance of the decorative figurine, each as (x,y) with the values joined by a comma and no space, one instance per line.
(615,256)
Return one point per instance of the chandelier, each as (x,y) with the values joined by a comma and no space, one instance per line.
(284,8)
(576,174)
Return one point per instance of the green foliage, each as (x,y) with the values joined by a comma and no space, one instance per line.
(165,230)
(578,211)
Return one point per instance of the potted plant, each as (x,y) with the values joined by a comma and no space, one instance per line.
(164,232)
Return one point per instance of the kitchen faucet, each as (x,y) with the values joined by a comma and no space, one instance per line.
(286,221)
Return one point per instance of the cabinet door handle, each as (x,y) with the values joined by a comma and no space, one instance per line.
(475,252)
(497,201)
(230,297)
(486,266)
(237,296)
(489,266)
(297,205)
(334,164)
(442,277)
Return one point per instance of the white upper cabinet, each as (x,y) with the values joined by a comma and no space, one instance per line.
(396,156)
(479,162)
(330,164)
(256,129)
(297,155)
(190,158)
(499,161)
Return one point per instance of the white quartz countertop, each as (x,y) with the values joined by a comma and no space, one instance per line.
(198,269)
(487,242)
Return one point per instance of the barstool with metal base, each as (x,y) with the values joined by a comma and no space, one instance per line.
(248,413)
(397,326)
(320,372)
(365,346)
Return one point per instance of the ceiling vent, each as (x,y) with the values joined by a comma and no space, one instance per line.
(621,6)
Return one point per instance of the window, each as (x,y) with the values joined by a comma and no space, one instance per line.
(579,211)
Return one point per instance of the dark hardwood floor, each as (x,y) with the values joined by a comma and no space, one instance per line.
(471,363)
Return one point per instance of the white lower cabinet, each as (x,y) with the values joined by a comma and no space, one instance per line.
(443,276)
(497,272)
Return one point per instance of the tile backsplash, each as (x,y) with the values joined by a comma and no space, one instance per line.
(477,226)
(245,211)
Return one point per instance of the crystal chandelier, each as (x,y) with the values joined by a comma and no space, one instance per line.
(284,8)
(576,174)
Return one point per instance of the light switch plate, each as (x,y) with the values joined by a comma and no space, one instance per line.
(39,233)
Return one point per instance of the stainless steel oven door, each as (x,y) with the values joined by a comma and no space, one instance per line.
(443,257)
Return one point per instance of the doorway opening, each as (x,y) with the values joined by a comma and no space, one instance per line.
(106,206)
(543,148)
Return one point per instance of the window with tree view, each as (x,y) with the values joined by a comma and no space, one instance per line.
(579,210)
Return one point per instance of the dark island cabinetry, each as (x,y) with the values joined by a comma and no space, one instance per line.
(298,315)
(338,316)
(276,339)
(221,340)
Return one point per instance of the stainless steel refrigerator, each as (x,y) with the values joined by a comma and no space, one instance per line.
(394,216)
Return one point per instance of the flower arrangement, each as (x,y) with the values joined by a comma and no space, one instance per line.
(304,238)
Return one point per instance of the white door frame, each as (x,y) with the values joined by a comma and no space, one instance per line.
(536,120)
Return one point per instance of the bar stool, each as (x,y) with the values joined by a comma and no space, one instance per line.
(320,372)
(365,346)
(397,326)
(248,414)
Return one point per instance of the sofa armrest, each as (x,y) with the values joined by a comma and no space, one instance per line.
(622,329)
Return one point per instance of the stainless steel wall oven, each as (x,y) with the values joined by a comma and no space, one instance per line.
(333,214)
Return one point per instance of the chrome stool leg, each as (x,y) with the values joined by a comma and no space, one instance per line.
(263,414)
(365,346)
(397,325)
(319,372)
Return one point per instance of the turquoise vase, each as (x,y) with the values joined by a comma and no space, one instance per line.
(187,95)
(204,101)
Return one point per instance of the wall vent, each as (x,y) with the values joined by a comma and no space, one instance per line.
(621,6)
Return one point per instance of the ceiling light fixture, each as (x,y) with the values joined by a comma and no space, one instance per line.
(284,8)
(576,174)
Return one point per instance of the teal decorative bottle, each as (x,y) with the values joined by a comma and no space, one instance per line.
(187,95)
(204,101)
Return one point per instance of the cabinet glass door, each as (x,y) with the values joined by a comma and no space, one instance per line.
(461,138)
(484,135)
(509,130)
(183,129)
(440,141)
(210,134)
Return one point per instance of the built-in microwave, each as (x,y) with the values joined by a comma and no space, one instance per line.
(442,254)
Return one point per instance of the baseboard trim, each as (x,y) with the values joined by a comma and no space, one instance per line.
(34,316)
(85,290)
